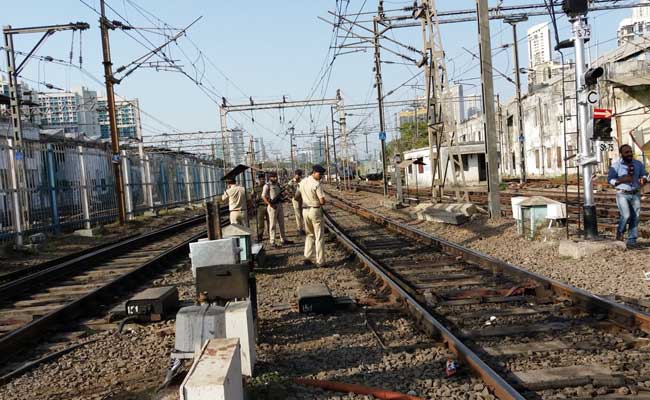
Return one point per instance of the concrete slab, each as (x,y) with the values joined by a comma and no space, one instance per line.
(84,232)
(215,373)
(578,249)
(467,209)
(434,213)
(149,214)
(560,377)
(239,324)
(391,204)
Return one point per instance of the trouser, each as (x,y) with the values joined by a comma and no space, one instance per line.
(297,210)
(261,217)
(629,205)
(315,234)
(276,215)
(237,217)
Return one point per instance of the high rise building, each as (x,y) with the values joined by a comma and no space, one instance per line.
(127,115)
(318,151)
(74,111)
(539,45)
(235,146)
(638,25)
(456,101)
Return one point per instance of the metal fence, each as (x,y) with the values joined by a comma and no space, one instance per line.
(55,185)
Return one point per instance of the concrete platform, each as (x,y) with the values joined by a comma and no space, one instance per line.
(434,213)
(215,373)
(578,249)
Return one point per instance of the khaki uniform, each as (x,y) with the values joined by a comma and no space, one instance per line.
(262,215)
(236,196)
(293,187)
(311,192)
(276,215)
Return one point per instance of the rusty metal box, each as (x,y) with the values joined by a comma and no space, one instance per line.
(223,282)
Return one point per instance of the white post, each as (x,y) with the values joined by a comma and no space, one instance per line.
(203,191)
(126,176)
(18,225)
(149,180)
(188,188)
(85,203)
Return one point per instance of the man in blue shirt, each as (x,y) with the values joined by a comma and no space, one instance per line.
(627,175)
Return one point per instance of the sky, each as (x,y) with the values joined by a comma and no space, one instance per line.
(264,50)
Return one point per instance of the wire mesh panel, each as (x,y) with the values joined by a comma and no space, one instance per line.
(101,184)
(7,218)
(136,181)
(64,160)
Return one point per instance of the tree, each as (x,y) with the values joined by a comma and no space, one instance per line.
(412,136)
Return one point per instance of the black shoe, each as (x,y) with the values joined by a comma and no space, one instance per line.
(276,245)
(287,242)
(306,261)
(619,236)
(301,232)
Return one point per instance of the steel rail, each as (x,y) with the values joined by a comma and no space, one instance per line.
(620,314)
(32,331)
(20,285)
(500,387)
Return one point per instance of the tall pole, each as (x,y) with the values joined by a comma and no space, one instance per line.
(336,162)
(291,136)
(110,100)
(380,101)
(520,114)
(224,132)
(327,153)
(580,27)
(489,125)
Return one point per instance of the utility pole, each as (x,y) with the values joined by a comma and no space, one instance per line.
(344,135)
(513,21)
(327,152)
(489,125)
(336,162)
(104,26)
(291,135)
(380,97)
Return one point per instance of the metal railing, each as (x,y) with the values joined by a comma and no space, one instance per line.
(53,185)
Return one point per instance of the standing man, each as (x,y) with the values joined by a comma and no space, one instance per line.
(627,175)
(260,207)
(293,187)
(236,196)
(313,198)
(271,194)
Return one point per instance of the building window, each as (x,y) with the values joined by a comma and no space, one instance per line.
(420,168)
(558,154)
(537,159)
(549,156)
(465,159)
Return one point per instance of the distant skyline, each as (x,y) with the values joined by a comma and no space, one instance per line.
(262,50)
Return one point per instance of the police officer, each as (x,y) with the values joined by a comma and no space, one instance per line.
(260,206)
(271,196)
(295,200)
(236,196)
(313,198)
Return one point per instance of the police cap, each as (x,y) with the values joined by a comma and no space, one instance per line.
(298,172)
(318,168)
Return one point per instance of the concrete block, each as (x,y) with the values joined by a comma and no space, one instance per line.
(149,214)
(214,252)
(84,232)
(429,212)
(37,238)
(195,325)
(239,324)
(553,234)
(467,209)
(215,373)
(578,249)
(391,203)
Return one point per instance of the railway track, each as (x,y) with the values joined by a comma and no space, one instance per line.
(34,305)
(526,336)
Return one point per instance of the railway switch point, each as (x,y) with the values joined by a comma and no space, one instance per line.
(215,373)
(578,249)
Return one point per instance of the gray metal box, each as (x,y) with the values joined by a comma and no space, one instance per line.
(223,282)
(195,325)
(213,252)
(154,302)
(315,298)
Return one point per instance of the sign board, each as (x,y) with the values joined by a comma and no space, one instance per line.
(602,113)
(382,135)
(19,155)
(592,97)
(115,158)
